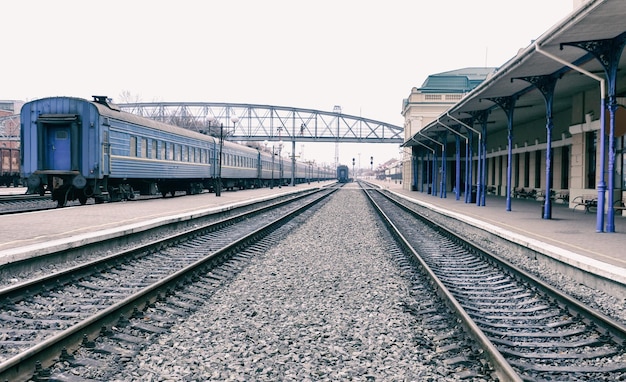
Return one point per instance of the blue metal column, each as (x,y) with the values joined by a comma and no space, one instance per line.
(435,168)
(444,167)
(507,104)
(427,161)
(470,165)
(546,84)
(608,53)
(421,173)
(414,167)
(483,152)
(457,180)
(429,173)
(468,159)
(434,177)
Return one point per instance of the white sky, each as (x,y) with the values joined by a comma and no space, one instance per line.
(362,55)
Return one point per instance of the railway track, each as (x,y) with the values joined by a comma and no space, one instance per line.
(44,319)
(16,204)
(13,204)
(530,330)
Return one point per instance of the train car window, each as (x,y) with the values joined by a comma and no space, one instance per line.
(153,149)
(161,150)
(144,148)
(133,146)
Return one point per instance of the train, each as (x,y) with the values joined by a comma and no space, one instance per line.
(343,174)
(10,174)
(78,149)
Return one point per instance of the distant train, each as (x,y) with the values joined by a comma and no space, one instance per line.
(79,149)
(343,174)
(10,166)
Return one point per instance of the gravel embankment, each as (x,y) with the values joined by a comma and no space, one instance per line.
(325,304)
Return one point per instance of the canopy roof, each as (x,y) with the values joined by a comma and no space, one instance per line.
(594,20)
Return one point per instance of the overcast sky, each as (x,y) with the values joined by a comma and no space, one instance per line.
(362,55)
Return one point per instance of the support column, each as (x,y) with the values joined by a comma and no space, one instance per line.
(608,53)
(507,104)
(546,85)
(444,166)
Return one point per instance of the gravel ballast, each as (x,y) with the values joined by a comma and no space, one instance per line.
(325,303)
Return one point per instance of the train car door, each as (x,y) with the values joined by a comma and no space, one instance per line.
(58,153)
(106,153)
(58,142)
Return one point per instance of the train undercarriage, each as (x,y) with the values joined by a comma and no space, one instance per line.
(65,188)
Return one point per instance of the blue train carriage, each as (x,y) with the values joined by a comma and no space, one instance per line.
(343,174)
(240,167)
(77,149)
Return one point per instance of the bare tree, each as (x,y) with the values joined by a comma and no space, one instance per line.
(127,97)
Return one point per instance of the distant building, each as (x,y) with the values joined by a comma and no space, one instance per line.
(9,107)
(10,123)
(436,95)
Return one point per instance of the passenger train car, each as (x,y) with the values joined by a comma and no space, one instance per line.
(77,149)
(343,174)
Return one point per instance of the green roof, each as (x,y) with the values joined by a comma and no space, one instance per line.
(456,81)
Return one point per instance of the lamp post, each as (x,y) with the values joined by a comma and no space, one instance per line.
(218,182)
(218,164)
(272,183)
(280,166)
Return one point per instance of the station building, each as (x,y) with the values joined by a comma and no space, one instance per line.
(548,124)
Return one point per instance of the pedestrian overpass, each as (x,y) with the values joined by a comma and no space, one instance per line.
(249,122)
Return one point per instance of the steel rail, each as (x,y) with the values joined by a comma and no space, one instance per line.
(23,365)
(502,368)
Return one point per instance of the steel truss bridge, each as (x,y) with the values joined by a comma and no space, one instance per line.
(248,122)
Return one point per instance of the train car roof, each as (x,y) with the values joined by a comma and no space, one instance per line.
(238,146)
(107,109)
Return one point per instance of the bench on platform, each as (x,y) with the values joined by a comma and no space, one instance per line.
(619,205)
(586,201)
(522,193)
(562,197)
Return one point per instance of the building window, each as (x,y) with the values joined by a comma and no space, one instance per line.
(493,171)
(527,169)
(590,163)
(538,168)
(564,168)
(516,173)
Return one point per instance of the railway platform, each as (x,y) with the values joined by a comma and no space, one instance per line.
(37,233)
(570,237)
